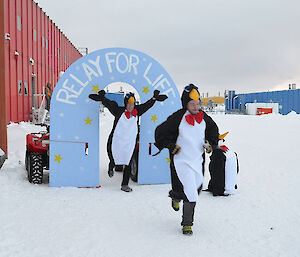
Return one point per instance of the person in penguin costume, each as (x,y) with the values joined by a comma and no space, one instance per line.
(123,137)
(223,169)
(184,134)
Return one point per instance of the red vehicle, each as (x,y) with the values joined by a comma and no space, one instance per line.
(37,155)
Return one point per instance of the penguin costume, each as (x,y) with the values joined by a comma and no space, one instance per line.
(123,137)
(223,169)
(184,134)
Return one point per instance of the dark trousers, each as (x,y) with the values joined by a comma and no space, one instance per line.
(126,175)
(188,213)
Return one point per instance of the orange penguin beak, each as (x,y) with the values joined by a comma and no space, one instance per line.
(221,137)
(194,95)
(131,100)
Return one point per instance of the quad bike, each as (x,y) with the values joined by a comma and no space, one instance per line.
(37,155)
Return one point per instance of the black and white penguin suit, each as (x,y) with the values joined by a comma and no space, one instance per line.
(223,169)
(122,139)
(187,167)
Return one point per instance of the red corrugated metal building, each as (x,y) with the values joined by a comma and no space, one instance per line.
(33,51)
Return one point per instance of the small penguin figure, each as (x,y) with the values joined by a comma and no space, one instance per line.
(223,169)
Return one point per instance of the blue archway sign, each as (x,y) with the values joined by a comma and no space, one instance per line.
(74,128)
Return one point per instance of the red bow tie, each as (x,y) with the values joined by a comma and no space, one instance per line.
(133,112)
(190,118)
(224,147)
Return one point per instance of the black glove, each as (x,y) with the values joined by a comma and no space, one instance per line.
(156,93)
(101,94)
(98,97)
(174,149)
(159,97)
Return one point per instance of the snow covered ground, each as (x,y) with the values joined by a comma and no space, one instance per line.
(262,219)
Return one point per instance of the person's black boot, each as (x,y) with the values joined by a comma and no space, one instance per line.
(111,173)
(175,205)
(187,230)
(126,189)
(110,169)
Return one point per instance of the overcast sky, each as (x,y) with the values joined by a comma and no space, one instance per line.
(246,45)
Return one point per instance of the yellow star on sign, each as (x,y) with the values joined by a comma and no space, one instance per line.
(146,90)
(168,159)
(154,118)
(58,158)
(88,121)
(95,89)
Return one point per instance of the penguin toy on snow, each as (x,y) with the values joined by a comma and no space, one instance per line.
(223,169)
(184,134)
(122,139)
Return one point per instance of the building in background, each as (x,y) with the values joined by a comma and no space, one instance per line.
(283,101)
(213,104)
(33,51)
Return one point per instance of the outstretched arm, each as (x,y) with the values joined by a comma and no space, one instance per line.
(142,108)
(112,106)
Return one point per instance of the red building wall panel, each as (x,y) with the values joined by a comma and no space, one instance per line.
(37,38)
(6,15)
(23,60)
(29,53)
(3,129)
(13,66)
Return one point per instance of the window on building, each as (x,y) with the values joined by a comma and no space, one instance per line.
(20,91)
(19,23)
(46,43)
(43,42)
(34,35)
(25,88)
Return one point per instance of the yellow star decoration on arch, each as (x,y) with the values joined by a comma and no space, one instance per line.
(95,89)
(146,90)
(154,118)
(88,121)
(58,158)
(168,159)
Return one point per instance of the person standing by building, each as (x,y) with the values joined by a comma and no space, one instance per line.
(48,92)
